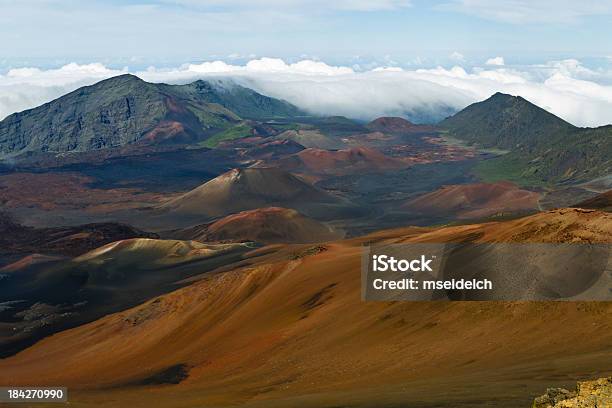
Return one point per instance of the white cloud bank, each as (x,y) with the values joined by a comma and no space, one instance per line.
(566,88)
(498,61)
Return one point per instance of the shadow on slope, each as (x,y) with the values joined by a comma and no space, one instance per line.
(39,297)
(293,331)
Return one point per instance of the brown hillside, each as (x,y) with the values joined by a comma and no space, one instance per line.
(390,124)
(475,200)
(600,202)
(290,329)
(247,189)
(345,161)
(264,225)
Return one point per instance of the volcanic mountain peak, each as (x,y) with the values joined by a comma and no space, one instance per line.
(268,181)
(125,109)
(390,124)
(543,148)
(250,188)
(505,121)
(121,79)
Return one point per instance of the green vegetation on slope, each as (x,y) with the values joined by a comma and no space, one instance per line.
(281,127)
(212,116)
(544,149)
(235,132)
(125,109)
(582,155)
(244,102)
(506,122)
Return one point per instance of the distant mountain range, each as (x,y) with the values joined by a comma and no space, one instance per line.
(125,109)
(542,147)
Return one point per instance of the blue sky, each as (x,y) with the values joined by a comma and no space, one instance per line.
(358,58)
(405,32)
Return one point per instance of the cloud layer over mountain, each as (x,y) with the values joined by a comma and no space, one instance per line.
(566,88)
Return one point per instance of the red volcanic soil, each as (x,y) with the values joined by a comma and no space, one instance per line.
(475,200)
(165,130)
(251,188)
(56,191)
(390,124)
(289,329)
(29,261)
(180,126)
(355,159)
(264,225)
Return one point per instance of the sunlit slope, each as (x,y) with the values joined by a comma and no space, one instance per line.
(152,252)
(344,161)
(264,225)
(467,201)
(291,330)
(251,188)
(42,296)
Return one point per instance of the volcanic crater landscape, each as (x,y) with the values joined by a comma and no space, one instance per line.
(200,245)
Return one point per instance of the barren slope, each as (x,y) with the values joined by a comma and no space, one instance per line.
(291,330)
(246,189)
(264,225)
(602,202)
(390,124)
(345,161)
(475,200)
(43,295)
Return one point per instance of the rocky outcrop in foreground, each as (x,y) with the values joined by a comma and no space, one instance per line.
(588,394)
